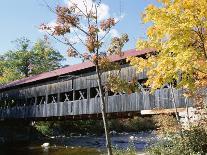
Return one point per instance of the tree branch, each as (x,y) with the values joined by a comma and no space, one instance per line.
(200,35)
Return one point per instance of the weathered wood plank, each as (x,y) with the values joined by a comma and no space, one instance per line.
(117,103)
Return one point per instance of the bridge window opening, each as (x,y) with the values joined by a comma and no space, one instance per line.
(81,94)
(66,96)
(22,101)
(31,101)
(1,103)
(165,86)
(52,98)
(94,92)
(5,101)
(110,93)
(8,103)
(16,102)
(142,83)
(12,102)
(41,99)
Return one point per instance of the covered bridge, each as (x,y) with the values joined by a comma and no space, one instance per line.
(72,92)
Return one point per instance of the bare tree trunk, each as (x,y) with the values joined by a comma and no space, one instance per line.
(176,110)
(103,111)
(187,112)
(174,103)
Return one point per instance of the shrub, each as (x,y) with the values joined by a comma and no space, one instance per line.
(166,124)
(130,150)
(132,124)
(191,142)
(44,127)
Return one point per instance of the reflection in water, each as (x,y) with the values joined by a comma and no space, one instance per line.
(37,150)
(80,145)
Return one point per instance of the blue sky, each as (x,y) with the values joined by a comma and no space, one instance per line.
(22,17)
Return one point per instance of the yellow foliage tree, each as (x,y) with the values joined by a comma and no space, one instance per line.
(178,32)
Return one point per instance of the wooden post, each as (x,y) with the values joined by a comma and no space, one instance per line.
(35,103)
(46,96)
(73,89)
(25,101)
(106,100)
(88,93)
(58,97)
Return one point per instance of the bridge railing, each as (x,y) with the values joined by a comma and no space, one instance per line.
(161,99)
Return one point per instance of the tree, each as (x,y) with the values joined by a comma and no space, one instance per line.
(7,73)
(81,21)
(26,61)
(178,33)
(45,58)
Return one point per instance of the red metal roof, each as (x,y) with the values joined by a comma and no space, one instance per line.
(72,68)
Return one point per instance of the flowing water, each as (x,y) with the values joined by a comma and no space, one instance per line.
(81,145)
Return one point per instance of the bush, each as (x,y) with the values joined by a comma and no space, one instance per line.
(95,126)
(130,150)
(179,141)
(44,128)
(166,124)
(132,124)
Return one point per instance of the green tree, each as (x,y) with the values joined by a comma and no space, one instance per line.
(20,59)
(26,61)
(45,58)
(7,72)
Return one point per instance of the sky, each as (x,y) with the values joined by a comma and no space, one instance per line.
(21,18)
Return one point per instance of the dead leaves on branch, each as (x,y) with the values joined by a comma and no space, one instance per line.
(66,16)
(107,24)
(72,53)
(116,84)
(106,65)
(117,44)
(70,19)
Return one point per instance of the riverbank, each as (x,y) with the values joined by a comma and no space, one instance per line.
(75,137)
(14,132)
(82,144)
(84,127)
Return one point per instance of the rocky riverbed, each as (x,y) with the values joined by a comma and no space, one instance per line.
(81,144)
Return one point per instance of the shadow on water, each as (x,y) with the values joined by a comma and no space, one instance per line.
(80,145)
(55,150)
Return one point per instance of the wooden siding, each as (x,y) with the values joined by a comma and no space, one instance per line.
(161,99)
(57,86)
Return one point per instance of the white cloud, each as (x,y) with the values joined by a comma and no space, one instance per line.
(119,18)
(76,39)
(101,33)
(114,33)
(111,34)
(102,11)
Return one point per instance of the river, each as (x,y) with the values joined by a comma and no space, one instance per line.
(81,145)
